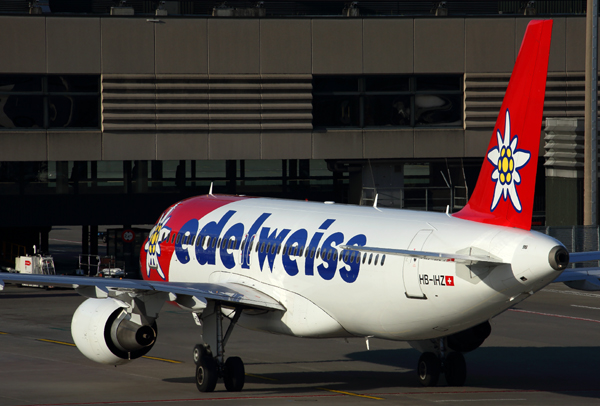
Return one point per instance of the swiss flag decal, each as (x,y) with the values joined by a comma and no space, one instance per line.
(449,281)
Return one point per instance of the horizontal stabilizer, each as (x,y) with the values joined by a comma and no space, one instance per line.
(584,256)
(432,256)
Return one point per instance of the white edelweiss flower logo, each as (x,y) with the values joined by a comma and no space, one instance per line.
(507,160)
(158,234)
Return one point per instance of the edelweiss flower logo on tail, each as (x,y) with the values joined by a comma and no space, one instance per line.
(507,160)
(158,234)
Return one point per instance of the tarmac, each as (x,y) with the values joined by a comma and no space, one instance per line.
(543,352)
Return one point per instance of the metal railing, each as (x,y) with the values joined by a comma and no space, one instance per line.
(416,198)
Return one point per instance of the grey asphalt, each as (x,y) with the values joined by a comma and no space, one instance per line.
(544,352)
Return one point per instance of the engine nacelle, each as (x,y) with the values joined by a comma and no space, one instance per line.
(103,332)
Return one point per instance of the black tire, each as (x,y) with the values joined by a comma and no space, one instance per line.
(455,369)
(207,374)
(234,374)
(428,370)
(199,352)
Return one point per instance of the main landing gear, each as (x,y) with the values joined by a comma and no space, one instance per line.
(452,364)
(210,367)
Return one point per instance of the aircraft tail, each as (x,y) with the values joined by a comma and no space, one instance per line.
(505,188)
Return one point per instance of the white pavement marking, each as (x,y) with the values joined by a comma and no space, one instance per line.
(586,307)
(568,292)
(554,315)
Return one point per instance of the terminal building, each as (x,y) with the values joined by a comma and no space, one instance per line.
(112,111)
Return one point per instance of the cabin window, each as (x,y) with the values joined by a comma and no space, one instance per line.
(295,251)
(301,251)
(346,255)
(262,247)
(178,240)
(335,255)
(364,258)
(382,259)
(370,259)
(376,259)
(243,244)
(214,242)
(312,252)
(173,238)
(278,249)
(273,248)
(251,244)
(328,255)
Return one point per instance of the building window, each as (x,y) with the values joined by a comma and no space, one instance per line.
(49,101)
(387,101)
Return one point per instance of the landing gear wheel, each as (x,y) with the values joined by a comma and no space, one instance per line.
(455,369)
(207,374)
(199,352)
(429,369)
(234,374)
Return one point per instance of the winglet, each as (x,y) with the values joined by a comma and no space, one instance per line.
(505,188)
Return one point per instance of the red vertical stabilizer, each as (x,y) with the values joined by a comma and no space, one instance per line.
(506,184)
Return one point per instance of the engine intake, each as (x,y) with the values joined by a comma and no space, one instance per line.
(103,333)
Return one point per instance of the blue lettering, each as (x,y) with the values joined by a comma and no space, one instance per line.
(309,264)
(271,242)
(185,232)
(213,230)
(298,237)
(236,232)
(329,256)
(253,230)
(350,275)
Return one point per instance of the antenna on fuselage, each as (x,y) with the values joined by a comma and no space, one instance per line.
(210,190)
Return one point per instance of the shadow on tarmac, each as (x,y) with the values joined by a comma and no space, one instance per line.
(569,370)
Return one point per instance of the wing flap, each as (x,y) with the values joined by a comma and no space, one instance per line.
(230,293)
(432,256)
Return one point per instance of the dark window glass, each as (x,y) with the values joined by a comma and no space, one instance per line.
(387,83)
(441,109)
(387,110)
(262,248)
(387,100)
(73,111)
(336,111)
(21,111)
(335,84)
(21,83)
(436,82)
(73,84)
(382,260)
(178,239)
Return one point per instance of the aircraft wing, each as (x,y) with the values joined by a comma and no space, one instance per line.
(433,256)
(227,293)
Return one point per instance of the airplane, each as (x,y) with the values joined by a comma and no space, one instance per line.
(319,270)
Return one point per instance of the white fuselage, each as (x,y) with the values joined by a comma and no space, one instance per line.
(402,299)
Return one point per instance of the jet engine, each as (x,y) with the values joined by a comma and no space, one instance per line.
(105,332)
(471,338)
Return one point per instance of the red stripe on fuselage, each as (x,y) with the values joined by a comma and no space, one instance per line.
(192,208)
